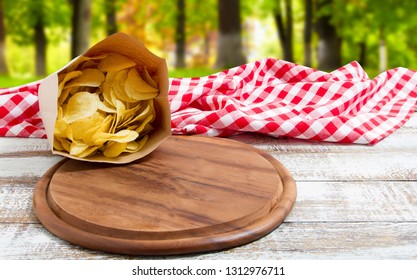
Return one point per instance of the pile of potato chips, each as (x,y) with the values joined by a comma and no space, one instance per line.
(105,105)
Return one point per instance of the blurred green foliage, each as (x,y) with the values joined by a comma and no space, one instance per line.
(22,15)
(371,21)
(358,22)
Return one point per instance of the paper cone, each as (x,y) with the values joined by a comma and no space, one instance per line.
(137,52)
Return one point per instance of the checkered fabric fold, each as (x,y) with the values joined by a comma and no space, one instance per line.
(269,96)
(279,98)
(19,112)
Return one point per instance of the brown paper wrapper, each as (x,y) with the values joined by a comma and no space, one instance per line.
(136,51)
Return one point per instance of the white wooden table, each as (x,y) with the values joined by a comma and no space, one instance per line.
(354,202)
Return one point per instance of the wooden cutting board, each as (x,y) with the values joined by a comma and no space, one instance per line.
(192,194)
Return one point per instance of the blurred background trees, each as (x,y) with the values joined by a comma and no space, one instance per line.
(80,25)
(229,45)
(38,37)
(3,64)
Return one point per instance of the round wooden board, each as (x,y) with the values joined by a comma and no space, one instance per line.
(192,194)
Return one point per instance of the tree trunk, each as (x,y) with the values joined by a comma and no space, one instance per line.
(111,24)
(285,29)
(40,45)
(3,63)
(329,46)
(180,35)
(81,22)
(308,30)
(229,46)
(362,53)
(206,47)
(383,57)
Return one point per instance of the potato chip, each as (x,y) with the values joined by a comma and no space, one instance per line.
(119,87)
(134,146)
(80,127)
(148,78)
(65,143)
(63,129)
(57,145)
(113,149)
(80,105)
(120,111)
(109,97)
(62,144)
(90,77)
(142,126)
(147,129)
(77,148)
(89,64)
(121,136)
(68,76)
(127,115)
(77,64)
(89,135)
(115,62)
(63,96)
(105,105)
(149,110)
(88,152)
(137,88)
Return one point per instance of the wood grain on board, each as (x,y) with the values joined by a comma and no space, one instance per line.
(192,194)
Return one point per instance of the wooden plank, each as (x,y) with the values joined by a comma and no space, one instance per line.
(24,159)
(355,202)
(289,241)
(16,204)
(306,162)
(395,158)
(316,202)
(32,241)
(14,145)
(25,167)
(335,241)
(400,142)
(365,166)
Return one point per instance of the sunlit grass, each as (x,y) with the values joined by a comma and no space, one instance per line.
(11,81)
(191,72)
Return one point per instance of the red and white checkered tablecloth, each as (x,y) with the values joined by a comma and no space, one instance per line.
(19,112)
(279,98)
(269,96)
